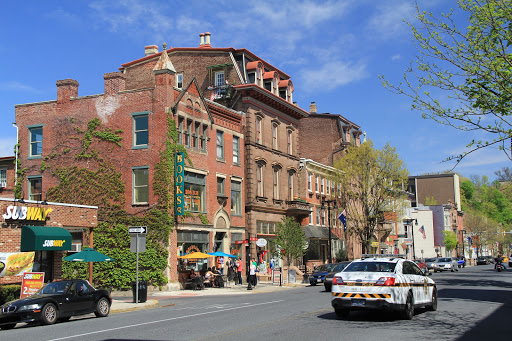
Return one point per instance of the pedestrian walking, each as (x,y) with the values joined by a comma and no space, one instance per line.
(252,273)
(239,268)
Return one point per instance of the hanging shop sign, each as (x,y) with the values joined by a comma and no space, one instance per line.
(180,183)
(261,242)
(31,282)
(26,213)
(15,263)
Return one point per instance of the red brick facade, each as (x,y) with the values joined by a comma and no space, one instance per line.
(70,217)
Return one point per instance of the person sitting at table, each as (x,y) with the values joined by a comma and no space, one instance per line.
(209,277)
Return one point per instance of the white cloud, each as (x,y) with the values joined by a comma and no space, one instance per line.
(396,56)
(387,22)
(17,86)
(334,74)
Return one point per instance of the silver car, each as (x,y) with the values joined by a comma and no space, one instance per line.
(430,263)
(445,264)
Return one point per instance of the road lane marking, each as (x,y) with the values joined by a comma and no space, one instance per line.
(164,320)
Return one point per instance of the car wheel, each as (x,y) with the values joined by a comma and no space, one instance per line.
(102,308)
(408,311)
(8,326)
(342,313)
(433,302)
(49,314)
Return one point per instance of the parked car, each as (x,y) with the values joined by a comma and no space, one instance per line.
(318,275)
(482,260)
(56,301)
(430,263)
(445,264)
(490,259)
(338,267)
(422,265)
(382,283)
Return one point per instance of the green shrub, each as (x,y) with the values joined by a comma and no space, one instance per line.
(9,292)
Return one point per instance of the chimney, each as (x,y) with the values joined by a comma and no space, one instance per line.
(201,41)
(207,39)
(114,82)
(150,49)
(312,108)
(66,89)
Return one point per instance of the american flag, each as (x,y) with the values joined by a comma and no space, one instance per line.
(343,218)
(422,231)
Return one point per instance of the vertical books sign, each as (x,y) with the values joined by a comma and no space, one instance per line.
(180,183)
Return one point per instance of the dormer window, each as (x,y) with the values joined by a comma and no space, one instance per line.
(179,81)
(251,77)
(219,78)
(267,85)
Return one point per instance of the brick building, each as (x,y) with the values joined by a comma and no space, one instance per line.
(323,139)
(7,170)
(40,221)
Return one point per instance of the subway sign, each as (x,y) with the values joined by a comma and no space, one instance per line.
(26,213)
(180,184)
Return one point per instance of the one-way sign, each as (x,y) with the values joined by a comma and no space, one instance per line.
(138,229)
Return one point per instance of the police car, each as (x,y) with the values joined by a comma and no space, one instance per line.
(383,282)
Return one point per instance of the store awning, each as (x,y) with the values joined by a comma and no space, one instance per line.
(41,238)
(318,232)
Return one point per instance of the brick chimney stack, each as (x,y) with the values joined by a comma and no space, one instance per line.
(150,49)
(312,108)
(114,82)
(66,89)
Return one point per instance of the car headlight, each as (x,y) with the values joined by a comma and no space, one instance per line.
(30,307)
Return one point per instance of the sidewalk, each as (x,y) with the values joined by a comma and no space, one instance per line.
(123,301)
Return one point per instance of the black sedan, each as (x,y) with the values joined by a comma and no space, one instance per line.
(338,267)
(57,301)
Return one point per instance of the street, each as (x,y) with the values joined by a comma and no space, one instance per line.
(474,303)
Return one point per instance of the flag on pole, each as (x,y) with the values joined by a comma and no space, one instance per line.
(343,218)
(422,231)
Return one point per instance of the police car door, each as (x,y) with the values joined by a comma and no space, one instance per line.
(415,281)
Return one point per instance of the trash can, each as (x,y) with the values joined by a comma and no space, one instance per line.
(292,275)
(143,291)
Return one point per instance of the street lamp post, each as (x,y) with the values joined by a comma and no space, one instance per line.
(329,202)
(408,221)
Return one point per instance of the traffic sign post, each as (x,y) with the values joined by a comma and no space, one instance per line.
(137,231)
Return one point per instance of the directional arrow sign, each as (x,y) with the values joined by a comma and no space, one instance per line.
(138,229)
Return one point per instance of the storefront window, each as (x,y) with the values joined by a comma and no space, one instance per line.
(193,241)
(236,249)
(195,192)
(43,262)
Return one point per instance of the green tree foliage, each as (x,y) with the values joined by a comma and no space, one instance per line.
(291,239)
(450,240)
(467,190)
(461,76)
(370,180)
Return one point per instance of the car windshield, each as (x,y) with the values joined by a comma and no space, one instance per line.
(428,260)
(339,267)
(370,267)
(445,260)
(324,267)
(55,288)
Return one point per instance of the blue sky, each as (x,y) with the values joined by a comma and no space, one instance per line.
(333,51)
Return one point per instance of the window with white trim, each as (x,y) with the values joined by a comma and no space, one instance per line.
(35,141)
(310,216)
(289,142)
(220,145)
(236,198)
(219,78)
(258,130)
(179,81)
(274,135)
(197,132)
(322,185)
(204,137)
(275,180)
(195,185)
(3,177)
(140,130)
(35,188)
(310,176)
(221,185)
(236,150)
(317,187)
(259,179)
(318,216)
(290,185)
(140,181)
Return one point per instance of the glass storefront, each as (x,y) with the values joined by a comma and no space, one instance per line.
(193,241)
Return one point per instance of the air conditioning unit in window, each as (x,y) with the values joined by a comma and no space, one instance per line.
(76,248)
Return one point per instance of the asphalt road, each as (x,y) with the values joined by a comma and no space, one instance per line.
(474,304)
